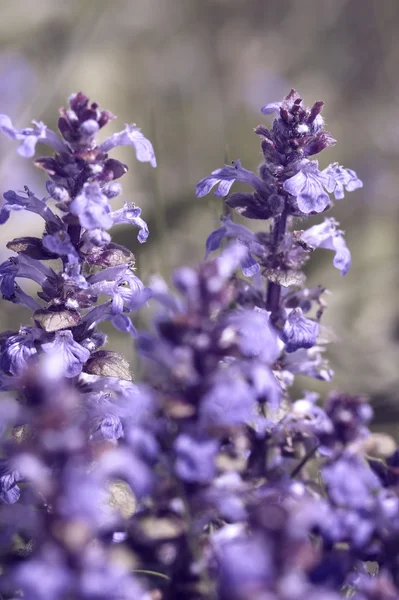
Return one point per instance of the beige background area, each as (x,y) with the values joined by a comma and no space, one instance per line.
(194,74)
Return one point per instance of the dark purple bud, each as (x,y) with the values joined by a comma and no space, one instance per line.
(263,131)
(251,206)
(113,169)
(315,110)
(318,143)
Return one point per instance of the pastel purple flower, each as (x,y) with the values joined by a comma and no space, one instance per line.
(253,334)
(22,267)
(44,576)
(60,243)
(73,354)
(121,463)
(350,482)
(15,202)
(111,427)
(30,136)
(224,178)
(9,490)
(343,178)
(130,214)
(132,136)
(229,402)
(299,332)
(18,349)
(92,208)
(308,188)
(245,567)
(122,285)
(326,235)
(195,459)
(230,258)
(245,236)
(309,362)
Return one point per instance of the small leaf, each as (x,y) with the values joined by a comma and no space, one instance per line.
(106,363)
(121,498)
(56,318)
(112,255)
(31,246)
(285,278)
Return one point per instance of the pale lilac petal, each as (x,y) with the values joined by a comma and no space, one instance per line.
(299,332)
(272,107)
(224,178)
(30,136)
(132,136)
(130,214)
(294,185)
(326,235)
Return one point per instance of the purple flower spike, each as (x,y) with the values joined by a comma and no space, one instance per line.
(308,188)
(30,136)
(224,178)
(326,235)
(132,136)
(73,354)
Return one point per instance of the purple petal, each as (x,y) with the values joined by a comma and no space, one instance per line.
(249,266)
(214,240)
(123,323)
(272,107)
(30,136)
(294,185)
(60,243)
(74,355)
(299,332)
(92,208)
(326,235)
(132,136)
(130,214)
(224,178)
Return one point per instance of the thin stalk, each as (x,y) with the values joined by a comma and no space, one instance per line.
(273,288)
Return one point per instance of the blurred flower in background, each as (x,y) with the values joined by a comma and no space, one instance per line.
(195,75)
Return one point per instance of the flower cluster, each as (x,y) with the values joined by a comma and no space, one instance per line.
(62,467)
(212,478)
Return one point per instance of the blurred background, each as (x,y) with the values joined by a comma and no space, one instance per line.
(193,74)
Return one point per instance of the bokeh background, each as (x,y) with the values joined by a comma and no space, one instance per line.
(193,75)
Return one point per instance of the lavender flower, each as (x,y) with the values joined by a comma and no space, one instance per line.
(215,478)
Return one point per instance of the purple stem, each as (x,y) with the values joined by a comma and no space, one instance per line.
(274,289)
